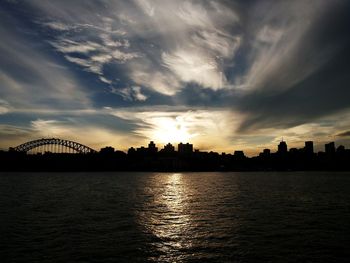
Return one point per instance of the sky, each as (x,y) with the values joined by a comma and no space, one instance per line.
(224,75)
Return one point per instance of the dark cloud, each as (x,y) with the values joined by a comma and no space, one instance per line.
(267,64)
(326,48)
(344,134)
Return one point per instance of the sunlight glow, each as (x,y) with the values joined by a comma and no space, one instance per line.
(170,130)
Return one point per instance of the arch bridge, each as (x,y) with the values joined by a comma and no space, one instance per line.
(53,145)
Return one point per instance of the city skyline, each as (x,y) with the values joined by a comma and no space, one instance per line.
(223,75)
(54,154)
(47,145)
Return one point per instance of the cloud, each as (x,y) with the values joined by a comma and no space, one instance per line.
(189,66)
(164,82)
(274,33)
(57,26)
(146,7)
(304,80)
(11,135)
(344,134)
(92,53)
(190,41)
(207,129)
(70,46)
(131,94)
(4,107)
(48,127)
(274,67)
(91,135)
(103,79)
(32,79)
(219,44)
(123,57)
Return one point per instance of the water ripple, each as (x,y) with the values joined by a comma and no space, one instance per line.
(166,217)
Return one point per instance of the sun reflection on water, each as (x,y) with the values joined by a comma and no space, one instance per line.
(167,218)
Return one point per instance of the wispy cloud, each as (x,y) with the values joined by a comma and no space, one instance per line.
(344,134)
(92,52)
(189,42)
(189,66)
(206,129)
(92,135)
(239,69)
(4,107)
(131,93)
(30,78)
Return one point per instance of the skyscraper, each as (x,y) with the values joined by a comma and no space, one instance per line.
(329,148)
(309,147)
(169,148)
(185,148)
(282,147)
(152,147)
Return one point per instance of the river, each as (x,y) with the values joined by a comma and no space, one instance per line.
(175,217)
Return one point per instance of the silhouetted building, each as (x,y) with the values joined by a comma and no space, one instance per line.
(185,148)
(329,148)
(169,148)
(142,150)
(309,147)
(266,152)
(107,150)
(282,147)
(131,151)
(239,154)
(340,149)
(149,159)
(152,147)
(293,151)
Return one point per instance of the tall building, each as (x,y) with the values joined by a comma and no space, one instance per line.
(293,151)
(239,154)
(152,147)
(329,148)
(131,151)
(309,147)
(266,152)
(169,148)
(341,149)
(141,150)
(282,147)
(107,150)
(185,148)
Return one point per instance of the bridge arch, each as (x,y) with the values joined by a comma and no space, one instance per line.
(75,146)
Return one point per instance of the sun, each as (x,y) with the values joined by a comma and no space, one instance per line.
(173,130)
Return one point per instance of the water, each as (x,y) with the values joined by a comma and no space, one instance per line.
(167,217)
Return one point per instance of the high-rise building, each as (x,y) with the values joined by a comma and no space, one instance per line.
(329,148)
(266,152)
(169,148)
(141,150)
(185,148)
(107,150)
(293,151)
(309,147)
(152,147)
(341,149)
(131,151)
(239,154)
(282,147)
